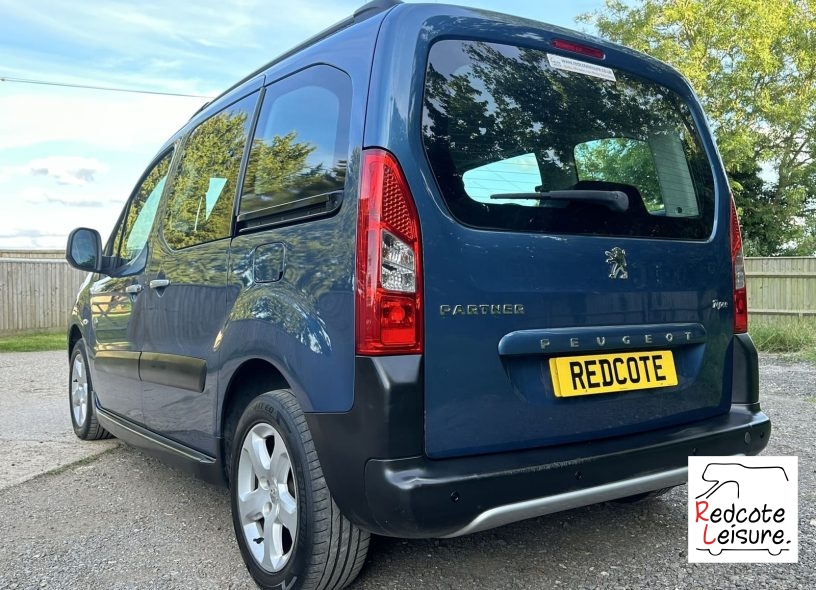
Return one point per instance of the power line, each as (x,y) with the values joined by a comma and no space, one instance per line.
(105,88)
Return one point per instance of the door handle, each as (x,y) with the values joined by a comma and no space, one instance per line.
(133,289)
(159,283)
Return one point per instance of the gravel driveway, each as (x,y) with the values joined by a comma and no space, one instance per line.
(120,519)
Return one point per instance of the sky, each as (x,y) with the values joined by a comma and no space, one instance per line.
(70,157)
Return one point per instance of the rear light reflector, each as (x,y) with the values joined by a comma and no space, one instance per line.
(389,274)
(578,48)
(738,263)
(398,267)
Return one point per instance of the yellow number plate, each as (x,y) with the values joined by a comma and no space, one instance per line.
(609,373)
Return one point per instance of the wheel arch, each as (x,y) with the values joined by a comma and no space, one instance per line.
(74,336)
(252,378)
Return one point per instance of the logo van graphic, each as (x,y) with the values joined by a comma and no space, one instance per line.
(743,510)
(616,259)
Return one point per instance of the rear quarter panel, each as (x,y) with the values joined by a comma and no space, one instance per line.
(303,324)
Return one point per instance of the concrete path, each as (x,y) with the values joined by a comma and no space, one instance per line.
(35,426)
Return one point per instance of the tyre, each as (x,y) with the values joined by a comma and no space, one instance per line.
(289,530)
(80,397)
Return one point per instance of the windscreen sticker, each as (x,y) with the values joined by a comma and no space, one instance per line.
(580,67)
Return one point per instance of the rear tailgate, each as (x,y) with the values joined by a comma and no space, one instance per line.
(576,287)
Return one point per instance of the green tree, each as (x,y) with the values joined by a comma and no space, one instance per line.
(199,210)
(201,197)
(621,160)
(276,164)
(753,64)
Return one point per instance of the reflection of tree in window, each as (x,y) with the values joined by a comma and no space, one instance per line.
(295,151)
(276,167)
(487,103)
(627,161)
(141,212)
(201,199)
(502,101)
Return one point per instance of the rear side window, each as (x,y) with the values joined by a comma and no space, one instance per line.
(297,162)
(202,195)
(519,142)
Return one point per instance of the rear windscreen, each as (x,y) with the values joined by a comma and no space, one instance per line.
(525,140)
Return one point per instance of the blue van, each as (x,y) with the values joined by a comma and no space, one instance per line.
(433,271)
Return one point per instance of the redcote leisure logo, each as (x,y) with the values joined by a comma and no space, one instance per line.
(743,510)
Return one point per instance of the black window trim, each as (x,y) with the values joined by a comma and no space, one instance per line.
(299,210)
(236,202)
(322,205)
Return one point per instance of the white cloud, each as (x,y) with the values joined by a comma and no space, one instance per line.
(73,170)
(42,219)
(121,122)
(186,31)
(7,172)
(40,196)
(189,48)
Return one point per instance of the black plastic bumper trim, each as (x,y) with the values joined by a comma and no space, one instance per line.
(373,461)
(745,381)
(122,363)
(385,422)
(419,497)
(173,370)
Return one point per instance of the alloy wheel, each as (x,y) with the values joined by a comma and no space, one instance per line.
(267,497)
(79,391)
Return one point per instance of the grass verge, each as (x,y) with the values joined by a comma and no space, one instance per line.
(33,342)
(792,336)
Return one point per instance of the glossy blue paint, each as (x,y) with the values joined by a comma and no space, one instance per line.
(113,328)
(302,324)
(475,401)
(599,339)
(185,319)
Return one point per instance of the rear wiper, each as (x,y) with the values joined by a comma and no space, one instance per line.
(612,200)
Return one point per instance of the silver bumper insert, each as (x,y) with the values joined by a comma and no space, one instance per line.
(502,515)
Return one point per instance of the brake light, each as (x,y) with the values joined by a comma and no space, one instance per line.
(389,271)
(738,263)
(578,48)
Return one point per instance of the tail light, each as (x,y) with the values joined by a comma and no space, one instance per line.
(389,260)
(738,263)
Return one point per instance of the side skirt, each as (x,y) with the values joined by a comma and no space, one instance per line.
(205,467)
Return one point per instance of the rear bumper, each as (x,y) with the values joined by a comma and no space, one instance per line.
(421,497)
(414,496)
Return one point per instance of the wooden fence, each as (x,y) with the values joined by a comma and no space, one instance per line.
(781,287)
(36,293)
(39,254)
(38,289)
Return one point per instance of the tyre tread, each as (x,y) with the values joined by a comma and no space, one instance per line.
(339,548)
(93,430)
